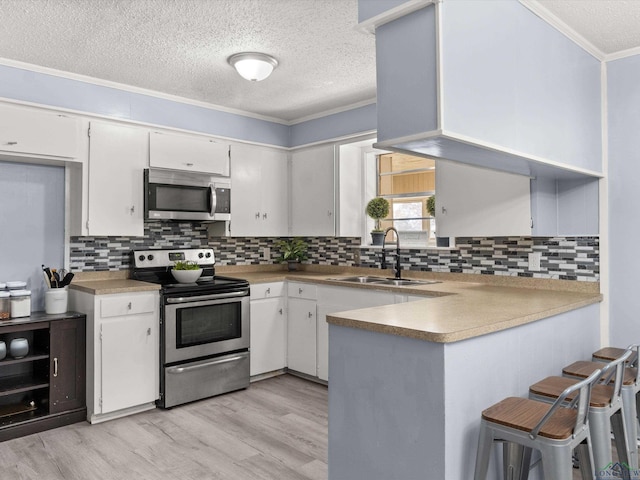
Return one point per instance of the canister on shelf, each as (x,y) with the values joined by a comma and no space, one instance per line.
(20,303)
(5,306)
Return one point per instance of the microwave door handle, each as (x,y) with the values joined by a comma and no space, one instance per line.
(213,200)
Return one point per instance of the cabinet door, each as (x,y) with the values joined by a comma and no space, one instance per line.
(274,193)
(23,130)
(67,368)
(301,336)
(117,157)
(129,360)
(246,191)
(313,191)
(477,202)
(187,152)
(268,335)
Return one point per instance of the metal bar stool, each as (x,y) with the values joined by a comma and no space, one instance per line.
(553,429)
(605,409)
(630,393)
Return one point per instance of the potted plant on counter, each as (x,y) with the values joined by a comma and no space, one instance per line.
(293,251)
(377,208)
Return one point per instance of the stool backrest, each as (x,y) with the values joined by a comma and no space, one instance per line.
(614,370)
(633,360)
(580,402)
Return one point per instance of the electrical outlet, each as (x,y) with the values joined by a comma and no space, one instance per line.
(266,253)
(534,261)
(356,257)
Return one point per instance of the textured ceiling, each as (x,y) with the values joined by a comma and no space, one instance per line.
(180,47)
(611,26)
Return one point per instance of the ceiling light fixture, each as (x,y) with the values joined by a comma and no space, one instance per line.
(252,65)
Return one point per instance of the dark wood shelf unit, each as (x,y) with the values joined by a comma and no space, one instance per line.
(46,388)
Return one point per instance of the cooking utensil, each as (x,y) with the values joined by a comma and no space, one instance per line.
(66,280)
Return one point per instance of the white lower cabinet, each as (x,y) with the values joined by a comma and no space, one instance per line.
(122,352)
(268,328)
(301,338)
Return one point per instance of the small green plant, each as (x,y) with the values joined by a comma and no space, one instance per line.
(378,208)
(431,205)
(293,250)
(186,265)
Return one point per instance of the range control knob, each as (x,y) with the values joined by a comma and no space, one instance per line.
(200,255)
(150,257)
(208,254)
(141,258)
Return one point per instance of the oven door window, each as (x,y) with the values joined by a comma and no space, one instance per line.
(208,324)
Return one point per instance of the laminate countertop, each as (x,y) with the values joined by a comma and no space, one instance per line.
(452,310)
(458,308)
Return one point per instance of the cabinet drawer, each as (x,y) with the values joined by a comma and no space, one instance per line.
(267,290)
(128,305)
(302,290)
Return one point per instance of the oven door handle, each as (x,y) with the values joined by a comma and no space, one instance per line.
(216,296)
(178,370)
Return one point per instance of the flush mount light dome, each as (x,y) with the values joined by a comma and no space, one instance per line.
(252,65)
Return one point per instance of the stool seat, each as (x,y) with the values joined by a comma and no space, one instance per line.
(552,387)
(524,414)
(583,368)
(608,354)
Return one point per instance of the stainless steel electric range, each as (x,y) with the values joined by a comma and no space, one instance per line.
(204,326)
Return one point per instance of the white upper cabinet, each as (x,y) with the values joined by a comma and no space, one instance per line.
(477,202)
(188,152)
(117,158)
(491,85)
(259,191)
(313,191)
(29,131)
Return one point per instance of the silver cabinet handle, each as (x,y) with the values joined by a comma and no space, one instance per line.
(310,314)
(12,143)
(300,291)
(189,164)
(149,331)
(329,213)
(280,311)
(264,216)
(55,367)
(268,292)
(129,306)
(258,215)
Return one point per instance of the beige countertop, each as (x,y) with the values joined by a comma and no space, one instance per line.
(461,307)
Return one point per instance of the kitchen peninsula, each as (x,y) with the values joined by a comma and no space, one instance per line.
(409,381)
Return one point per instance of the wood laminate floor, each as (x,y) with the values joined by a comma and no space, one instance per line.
(276,429)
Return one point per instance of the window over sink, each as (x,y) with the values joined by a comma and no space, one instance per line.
(407,181)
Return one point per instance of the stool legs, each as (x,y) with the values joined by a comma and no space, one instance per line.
(485,442)
(516,461)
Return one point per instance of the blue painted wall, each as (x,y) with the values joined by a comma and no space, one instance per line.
(623,81)
(32,224)
(55,91)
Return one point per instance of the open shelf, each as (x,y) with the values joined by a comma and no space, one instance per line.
(32,357)
(21,383)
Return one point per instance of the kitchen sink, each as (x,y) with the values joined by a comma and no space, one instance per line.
(361,279)
(402,282)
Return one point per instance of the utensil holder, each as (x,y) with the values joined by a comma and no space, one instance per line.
(55,300)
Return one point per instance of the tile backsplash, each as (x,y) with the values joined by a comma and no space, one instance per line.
(565,258)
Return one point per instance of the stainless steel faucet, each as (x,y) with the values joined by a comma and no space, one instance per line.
(397,268)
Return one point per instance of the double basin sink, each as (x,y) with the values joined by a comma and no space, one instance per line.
(398,282)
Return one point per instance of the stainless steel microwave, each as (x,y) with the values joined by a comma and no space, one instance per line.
(176,195)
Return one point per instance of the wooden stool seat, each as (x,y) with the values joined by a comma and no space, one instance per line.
(524,414)
(582,369)
(552,387)
(608,354)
